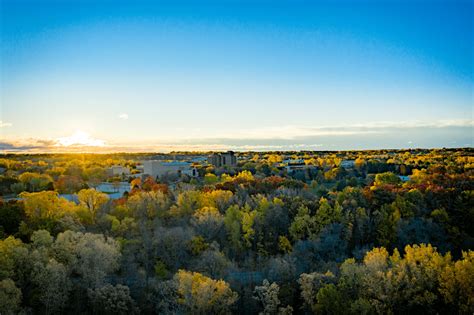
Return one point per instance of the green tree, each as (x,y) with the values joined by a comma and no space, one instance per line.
(53,283)
(303,225)
(111,300)
(232,222)
(386,178)
(10,297)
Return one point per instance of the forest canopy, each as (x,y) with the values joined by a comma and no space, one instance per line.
(356,232)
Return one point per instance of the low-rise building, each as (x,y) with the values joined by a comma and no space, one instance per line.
(114,188)
(404,178)
(157,169)
(293,165)
(347,164)
(118,170)
(223,159)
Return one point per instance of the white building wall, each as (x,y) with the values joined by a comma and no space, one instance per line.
(159,168)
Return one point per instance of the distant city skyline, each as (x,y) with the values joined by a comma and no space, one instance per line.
(104,76)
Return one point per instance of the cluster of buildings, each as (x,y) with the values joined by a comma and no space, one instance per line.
(223,159)
(158,166)
(297,165)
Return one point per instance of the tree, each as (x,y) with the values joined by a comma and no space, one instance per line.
(311,283)
(202,295)
(95,175)
(232,222)
(10,297)
(164,298)
(248,232)
(18,187)
(267,295)
(303,225)
(457,283)
(36,182)
(12,253)
(210,179)
(386,220)
(92,200)
(326,214)
(45,207)
(284,244)
(53,283)
(386,283)
(360,163)
(91,256)
(11,214)
(330,301)
(386,178)
(112,300)
(244,176)
(146,205)
(68,184)
(169,245)
(213,263)
(208,222)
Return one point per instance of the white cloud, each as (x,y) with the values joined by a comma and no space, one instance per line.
(291,132)
(417,124)
(123,116)
(5,124)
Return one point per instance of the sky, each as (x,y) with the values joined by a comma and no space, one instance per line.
(243,75)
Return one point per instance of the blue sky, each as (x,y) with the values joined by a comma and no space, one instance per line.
(150,75)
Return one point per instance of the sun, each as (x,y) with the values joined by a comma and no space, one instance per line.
(80,138)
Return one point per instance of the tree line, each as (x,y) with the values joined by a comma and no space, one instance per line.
(256,239)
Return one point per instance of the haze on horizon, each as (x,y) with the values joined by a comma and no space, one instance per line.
(242,75)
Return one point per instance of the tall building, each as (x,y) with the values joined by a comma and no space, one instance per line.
(223,159)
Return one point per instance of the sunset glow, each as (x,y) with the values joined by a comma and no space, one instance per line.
(80,138)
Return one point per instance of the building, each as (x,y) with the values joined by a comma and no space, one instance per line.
(156,169)
(223,159)
(114,189)
(294,165)
(404,178)
(118,170)
(199,159)
(347,164)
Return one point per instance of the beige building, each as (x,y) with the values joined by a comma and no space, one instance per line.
(156,168)
(223,159)
(118,170)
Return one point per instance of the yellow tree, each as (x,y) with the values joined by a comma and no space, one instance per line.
(46,205)
(245,176)
(36,182)
(202,295)
(457,283)
(92,200)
